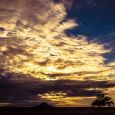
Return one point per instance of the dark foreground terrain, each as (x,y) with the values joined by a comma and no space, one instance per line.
(57,111)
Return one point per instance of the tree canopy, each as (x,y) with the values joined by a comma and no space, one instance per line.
(103,100)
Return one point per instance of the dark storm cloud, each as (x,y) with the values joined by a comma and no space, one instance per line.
(21,90)
(16,93)
(77,88)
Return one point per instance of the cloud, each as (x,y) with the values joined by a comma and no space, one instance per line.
(36,44)
(24,91)
(33,43)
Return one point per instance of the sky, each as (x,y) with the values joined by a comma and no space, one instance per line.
(57,51)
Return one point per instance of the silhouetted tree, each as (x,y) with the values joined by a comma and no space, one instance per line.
(103,100)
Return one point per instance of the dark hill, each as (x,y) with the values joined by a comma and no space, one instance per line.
(43,105)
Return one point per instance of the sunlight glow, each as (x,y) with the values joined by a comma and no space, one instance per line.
(40,48)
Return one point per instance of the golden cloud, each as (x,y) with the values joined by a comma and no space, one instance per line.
(59,100)
(33,42)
